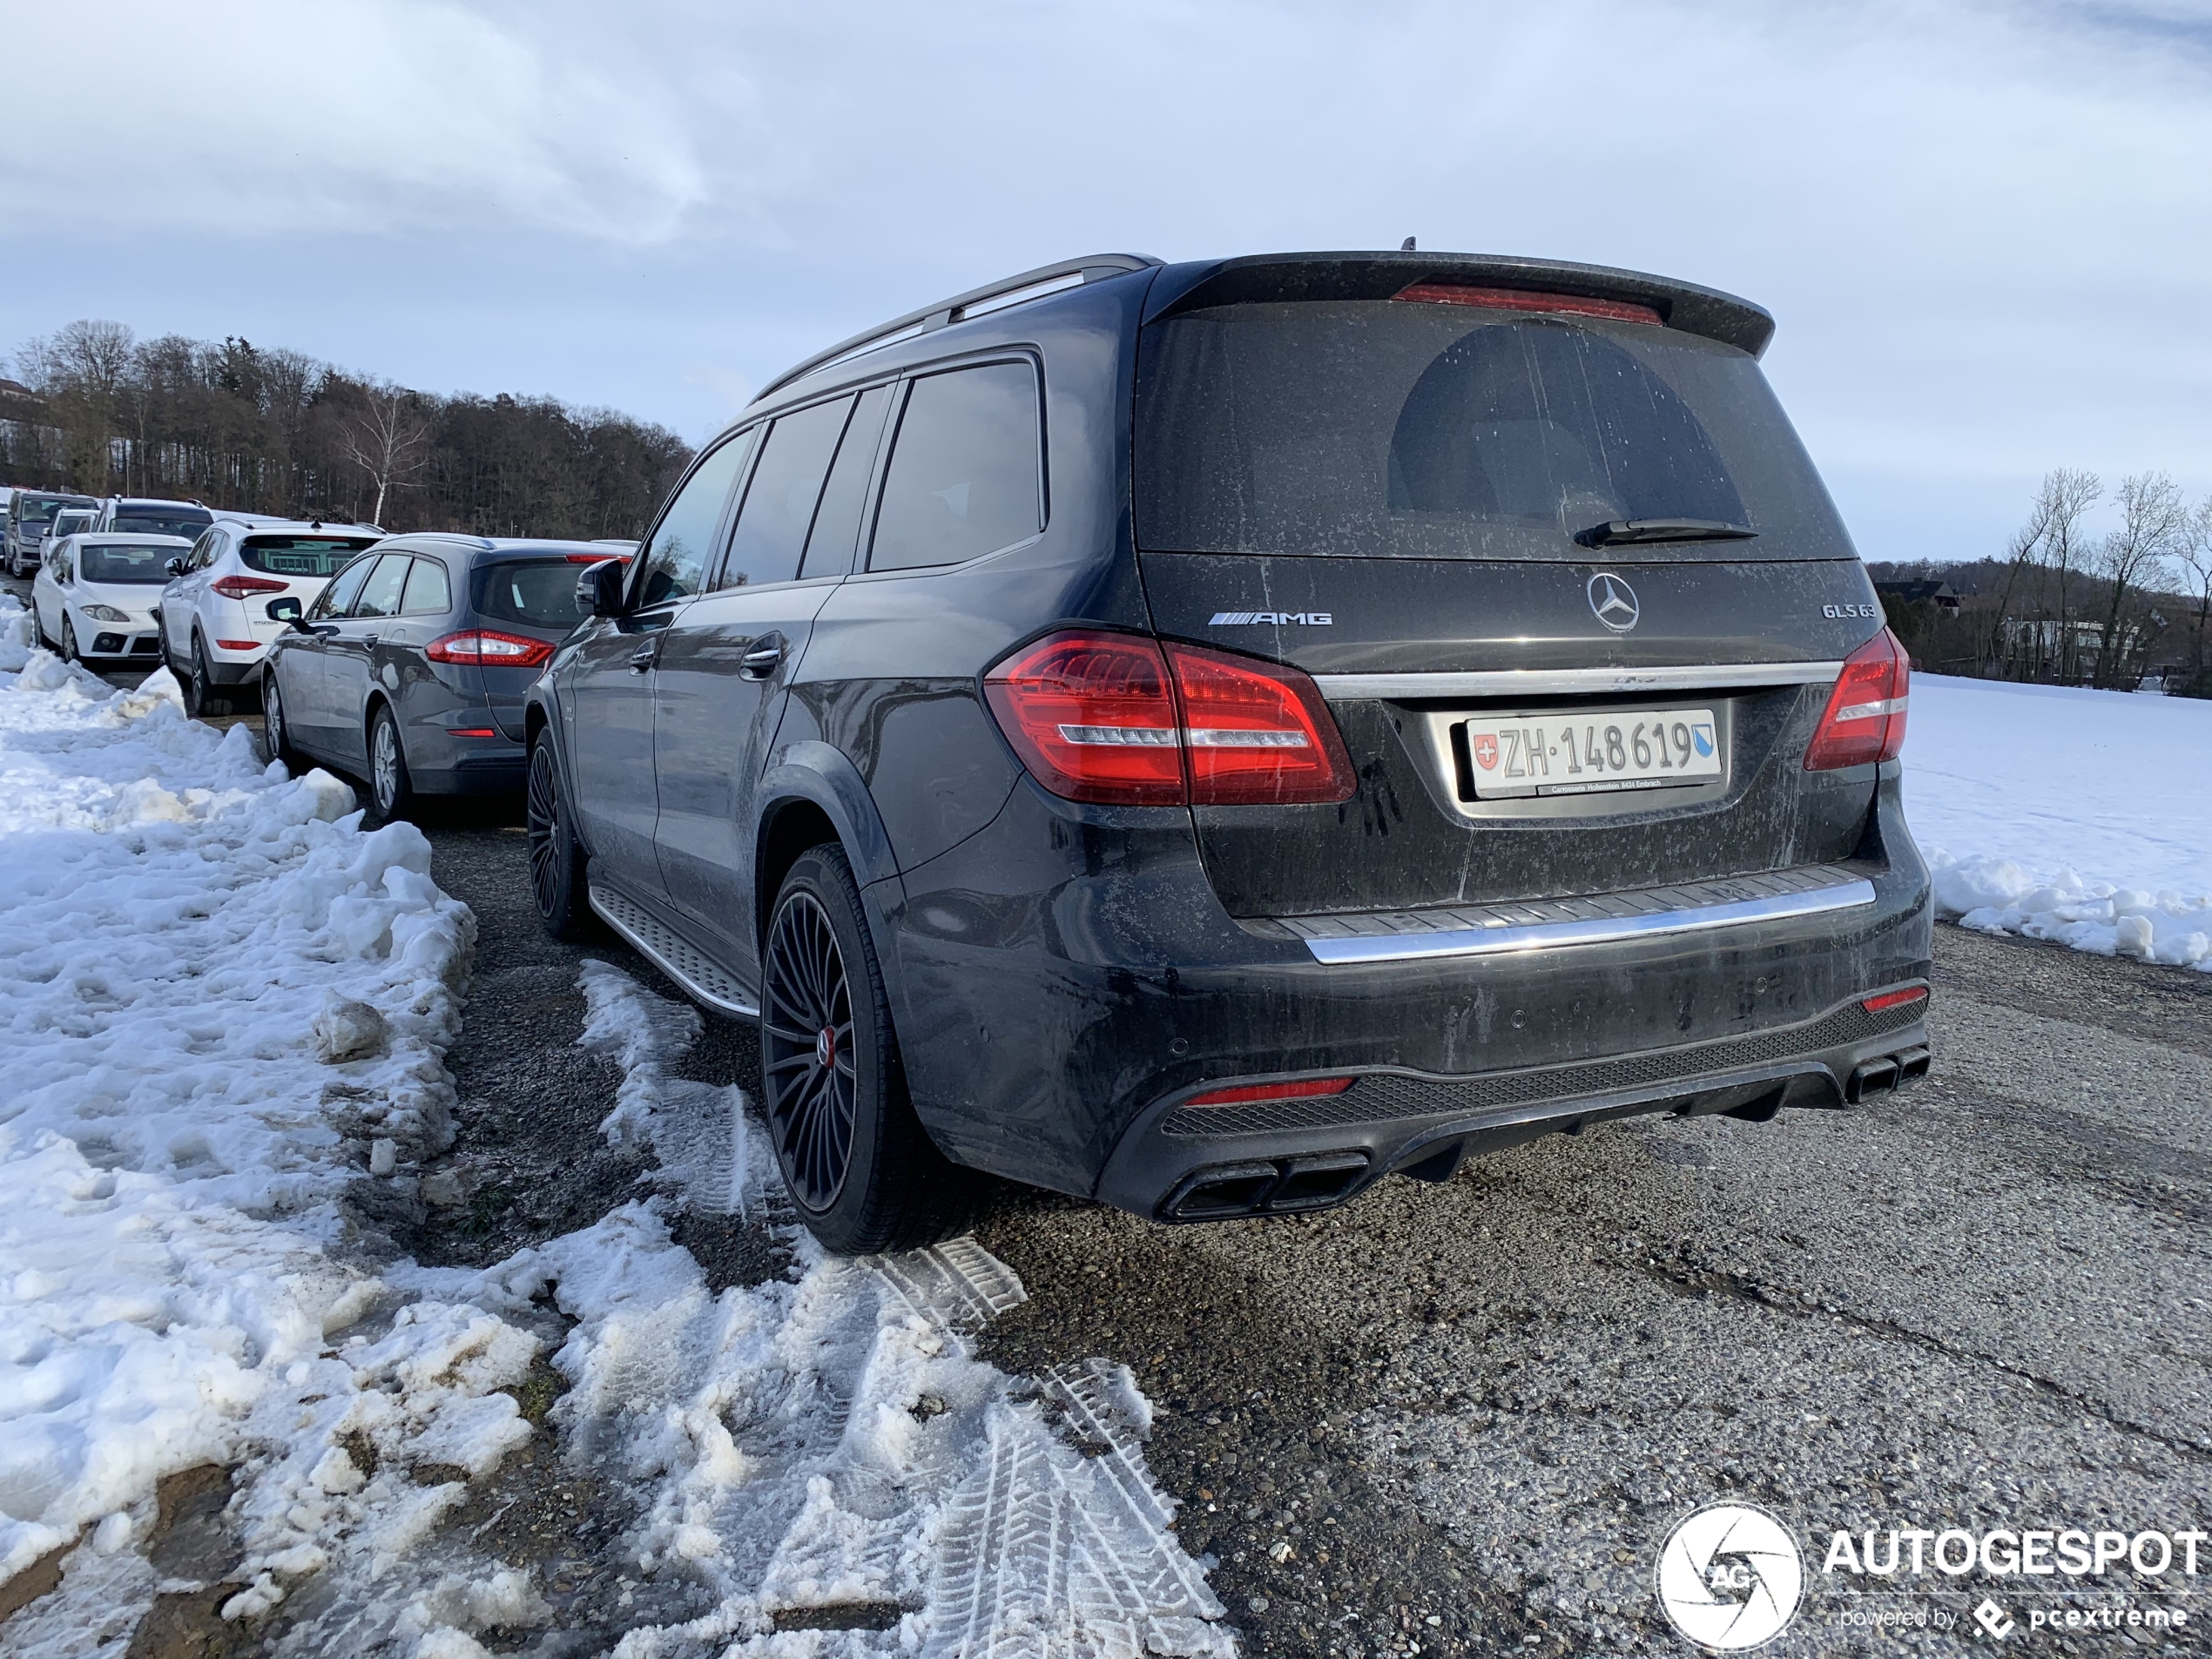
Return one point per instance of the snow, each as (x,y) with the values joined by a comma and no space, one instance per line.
(224,1002)
(2063,813)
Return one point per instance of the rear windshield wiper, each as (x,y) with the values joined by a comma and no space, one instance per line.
(1620,531)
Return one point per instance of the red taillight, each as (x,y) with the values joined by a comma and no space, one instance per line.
(239,587)
(1244,1094)
(489,648)
(1256,733)
(1453,293)
(1092,718)
(240,645)
(1114,717)
(1892,999)
(1865,718)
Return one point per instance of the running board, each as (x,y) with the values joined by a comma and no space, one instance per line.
(702,979)
(1543,924)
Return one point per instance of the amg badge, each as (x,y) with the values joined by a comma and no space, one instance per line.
(1280,618)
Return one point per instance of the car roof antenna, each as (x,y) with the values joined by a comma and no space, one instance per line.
(1405,247)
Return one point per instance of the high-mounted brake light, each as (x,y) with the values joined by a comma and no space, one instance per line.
(1454,293)
(1244,1094)
(238,587)
(596,558)
(1889,1000)
(1865,718)
(1118,718)
(489,648)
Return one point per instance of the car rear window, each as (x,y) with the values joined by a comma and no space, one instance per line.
(1383,428)
(188,522)
(115,562)
(529,593)
(301,556)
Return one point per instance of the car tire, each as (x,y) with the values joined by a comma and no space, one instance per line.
(273,727)
(390,788)
(558,881)
(68,651)
(201,698)
(862,1172)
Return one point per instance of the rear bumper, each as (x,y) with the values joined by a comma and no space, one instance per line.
(1065,979)
(496,773)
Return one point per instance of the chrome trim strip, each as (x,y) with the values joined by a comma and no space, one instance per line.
(1543,935)
(1571,682)
(691,987)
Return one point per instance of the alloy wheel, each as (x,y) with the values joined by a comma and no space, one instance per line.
(273,716)
(543,819)
(384,765)
(806,1034)
(68,638)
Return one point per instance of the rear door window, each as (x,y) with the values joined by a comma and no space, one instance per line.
(428,593)
(674,558)
(965,476)
(780,502)
(380,595)
(837,521)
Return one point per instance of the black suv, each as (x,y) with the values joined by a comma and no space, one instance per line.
(1206,736)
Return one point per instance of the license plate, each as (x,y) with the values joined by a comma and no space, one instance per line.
(1590,754)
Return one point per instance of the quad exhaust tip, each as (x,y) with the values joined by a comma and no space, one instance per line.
(1276,1187)
(1886,1075)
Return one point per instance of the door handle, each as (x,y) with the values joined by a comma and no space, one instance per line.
(369,639)
(760,662)
(643,658)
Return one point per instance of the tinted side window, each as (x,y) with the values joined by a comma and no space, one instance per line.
(202,550)
(427,592)
(380,595)
(780,502)
(334,600)
(963,479)
(837,522)
(674,560)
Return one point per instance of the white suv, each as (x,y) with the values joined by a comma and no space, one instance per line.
(214,615)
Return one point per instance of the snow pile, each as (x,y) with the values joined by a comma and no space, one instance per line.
(174,920)
(2078,816)
(832,1442)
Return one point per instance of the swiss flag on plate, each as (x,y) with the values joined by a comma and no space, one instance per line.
(1486,753)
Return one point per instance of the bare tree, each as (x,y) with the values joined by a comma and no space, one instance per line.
(386,439)
(2194,550)
(2154,520)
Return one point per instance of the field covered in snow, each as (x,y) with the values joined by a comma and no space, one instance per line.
(2078,816)
(224,1002)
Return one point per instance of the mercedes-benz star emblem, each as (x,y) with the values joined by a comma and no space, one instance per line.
(1613,602)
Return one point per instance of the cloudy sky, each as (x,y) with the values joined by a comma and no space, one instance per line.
(1983,227)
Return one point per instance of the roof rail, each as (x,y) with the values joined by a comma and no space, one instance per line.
(1009,291)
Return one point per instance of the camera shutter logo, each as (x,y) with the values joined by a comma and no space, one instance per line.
(1612,602)
(1730,1577)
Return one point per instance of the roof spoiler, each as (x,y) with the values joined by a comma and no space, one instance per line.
(992,296)
(1260,278)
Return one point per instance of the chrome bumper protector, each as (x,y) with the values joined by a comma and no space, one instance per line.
(701,980)
(1498,936)
(1576,682)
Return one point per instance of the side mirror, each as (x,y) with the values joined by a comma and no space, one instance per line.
(176,565)
(287,611)
(598,590)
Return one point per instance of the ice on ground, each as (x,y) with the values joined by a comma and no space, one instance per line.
(2063,813)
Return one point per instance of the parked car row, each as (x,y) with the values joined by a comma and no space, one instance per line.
(1203,738)
(35,518)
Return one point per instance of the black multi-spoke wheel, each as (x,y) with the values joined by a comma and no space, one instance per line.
(201,698)
(860,1166)
(557,862)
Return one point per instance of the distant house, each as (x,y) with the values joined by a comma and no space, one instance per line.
(1930,591)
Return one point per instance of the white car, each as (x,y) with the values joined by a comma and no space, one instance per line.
(94,596)
(214,616)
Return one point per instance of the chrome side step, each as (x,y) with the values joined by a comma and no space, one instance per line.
(703,980)
(1543,924)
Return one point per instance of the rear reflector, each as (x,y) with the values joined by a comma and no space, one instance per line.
(1864,720)
(1244,1094)
(1893,999)
(470,732)
(240,645)
(238,587)
(1453,293)
(1116,718)
(489,648)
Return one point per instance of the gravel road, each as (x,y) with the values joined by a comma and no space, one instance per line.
(1464,1418)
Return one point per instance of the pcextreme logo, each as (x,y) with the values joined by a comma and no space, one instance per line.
(1730,1577)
